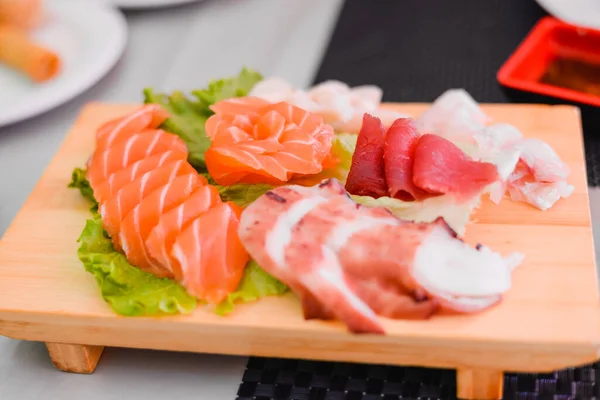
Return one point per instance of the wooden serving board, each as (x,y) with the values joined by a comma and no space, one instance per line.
(550,319)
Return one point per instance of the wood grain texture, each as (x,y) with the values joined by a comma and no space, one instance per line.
(76,358)
(479,384)
(550,319)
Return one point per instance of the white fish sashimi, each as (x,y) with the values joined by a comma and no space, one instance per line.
(545,164)
(454,115)
(529,169)
(539,194)
(540,177)
(338,104)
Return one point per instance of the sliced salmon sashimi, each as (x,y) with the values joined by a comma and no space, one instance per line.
(120,205)
(119,179)
(137,225)
(148,117)
(173,222)
(136,147)
(254,141)
(213,270)
(159,211)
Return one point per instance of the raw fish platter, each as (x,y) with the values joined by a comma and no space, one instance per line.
(251,217)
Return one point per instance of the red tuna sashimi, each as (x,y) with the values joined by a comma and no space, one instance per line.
(399,151)
(211,255)
(367,173)
(441,167)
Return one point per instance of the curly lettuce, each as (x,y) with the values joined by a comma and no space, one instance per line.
(243,194)
(255,283)
(222,89)
(79,181)
(127,289)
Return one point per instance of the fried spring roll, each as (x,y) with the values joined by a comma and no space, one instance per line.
(18,51)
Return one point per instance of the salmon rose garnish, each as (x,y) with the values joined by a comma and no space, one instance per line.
(254,141)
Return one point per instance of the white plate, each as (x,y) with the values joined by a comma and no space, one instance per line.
(584,13)
(89,36)
(133,4)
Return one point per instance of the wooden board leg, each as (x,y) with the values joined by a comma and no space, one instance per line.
(81,359)
(479,384)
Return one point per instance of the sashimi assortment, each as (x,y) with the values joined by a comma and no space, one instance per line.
(257,187)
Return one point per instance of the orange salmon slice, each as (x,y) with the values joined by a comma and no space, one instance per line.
(137,147)
(147,117)
(172,223)
(118,207)
(119,179)
(211,254)
(136,226)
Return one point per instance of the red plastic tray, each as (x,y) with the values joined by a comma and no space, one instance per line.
(549,39)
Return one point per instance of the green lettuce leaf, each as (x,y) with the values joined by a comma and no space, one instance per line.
(238,86)
(343,148)
(79,181)
(189,115)
(243,194)
(187,119)
(129,290)
(255,283)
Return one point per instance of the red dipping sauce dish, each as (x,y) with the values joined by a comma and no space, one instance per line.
(556,59)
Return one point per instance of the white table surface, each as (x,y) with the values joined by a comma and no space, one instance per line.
(176,48)
(198,42)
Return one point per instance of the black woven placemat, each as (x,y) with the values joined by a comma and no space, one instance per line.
(416,49)
(280,379)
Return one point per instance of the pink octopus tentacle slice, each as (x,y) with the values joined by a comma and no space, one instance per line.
(353,263)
